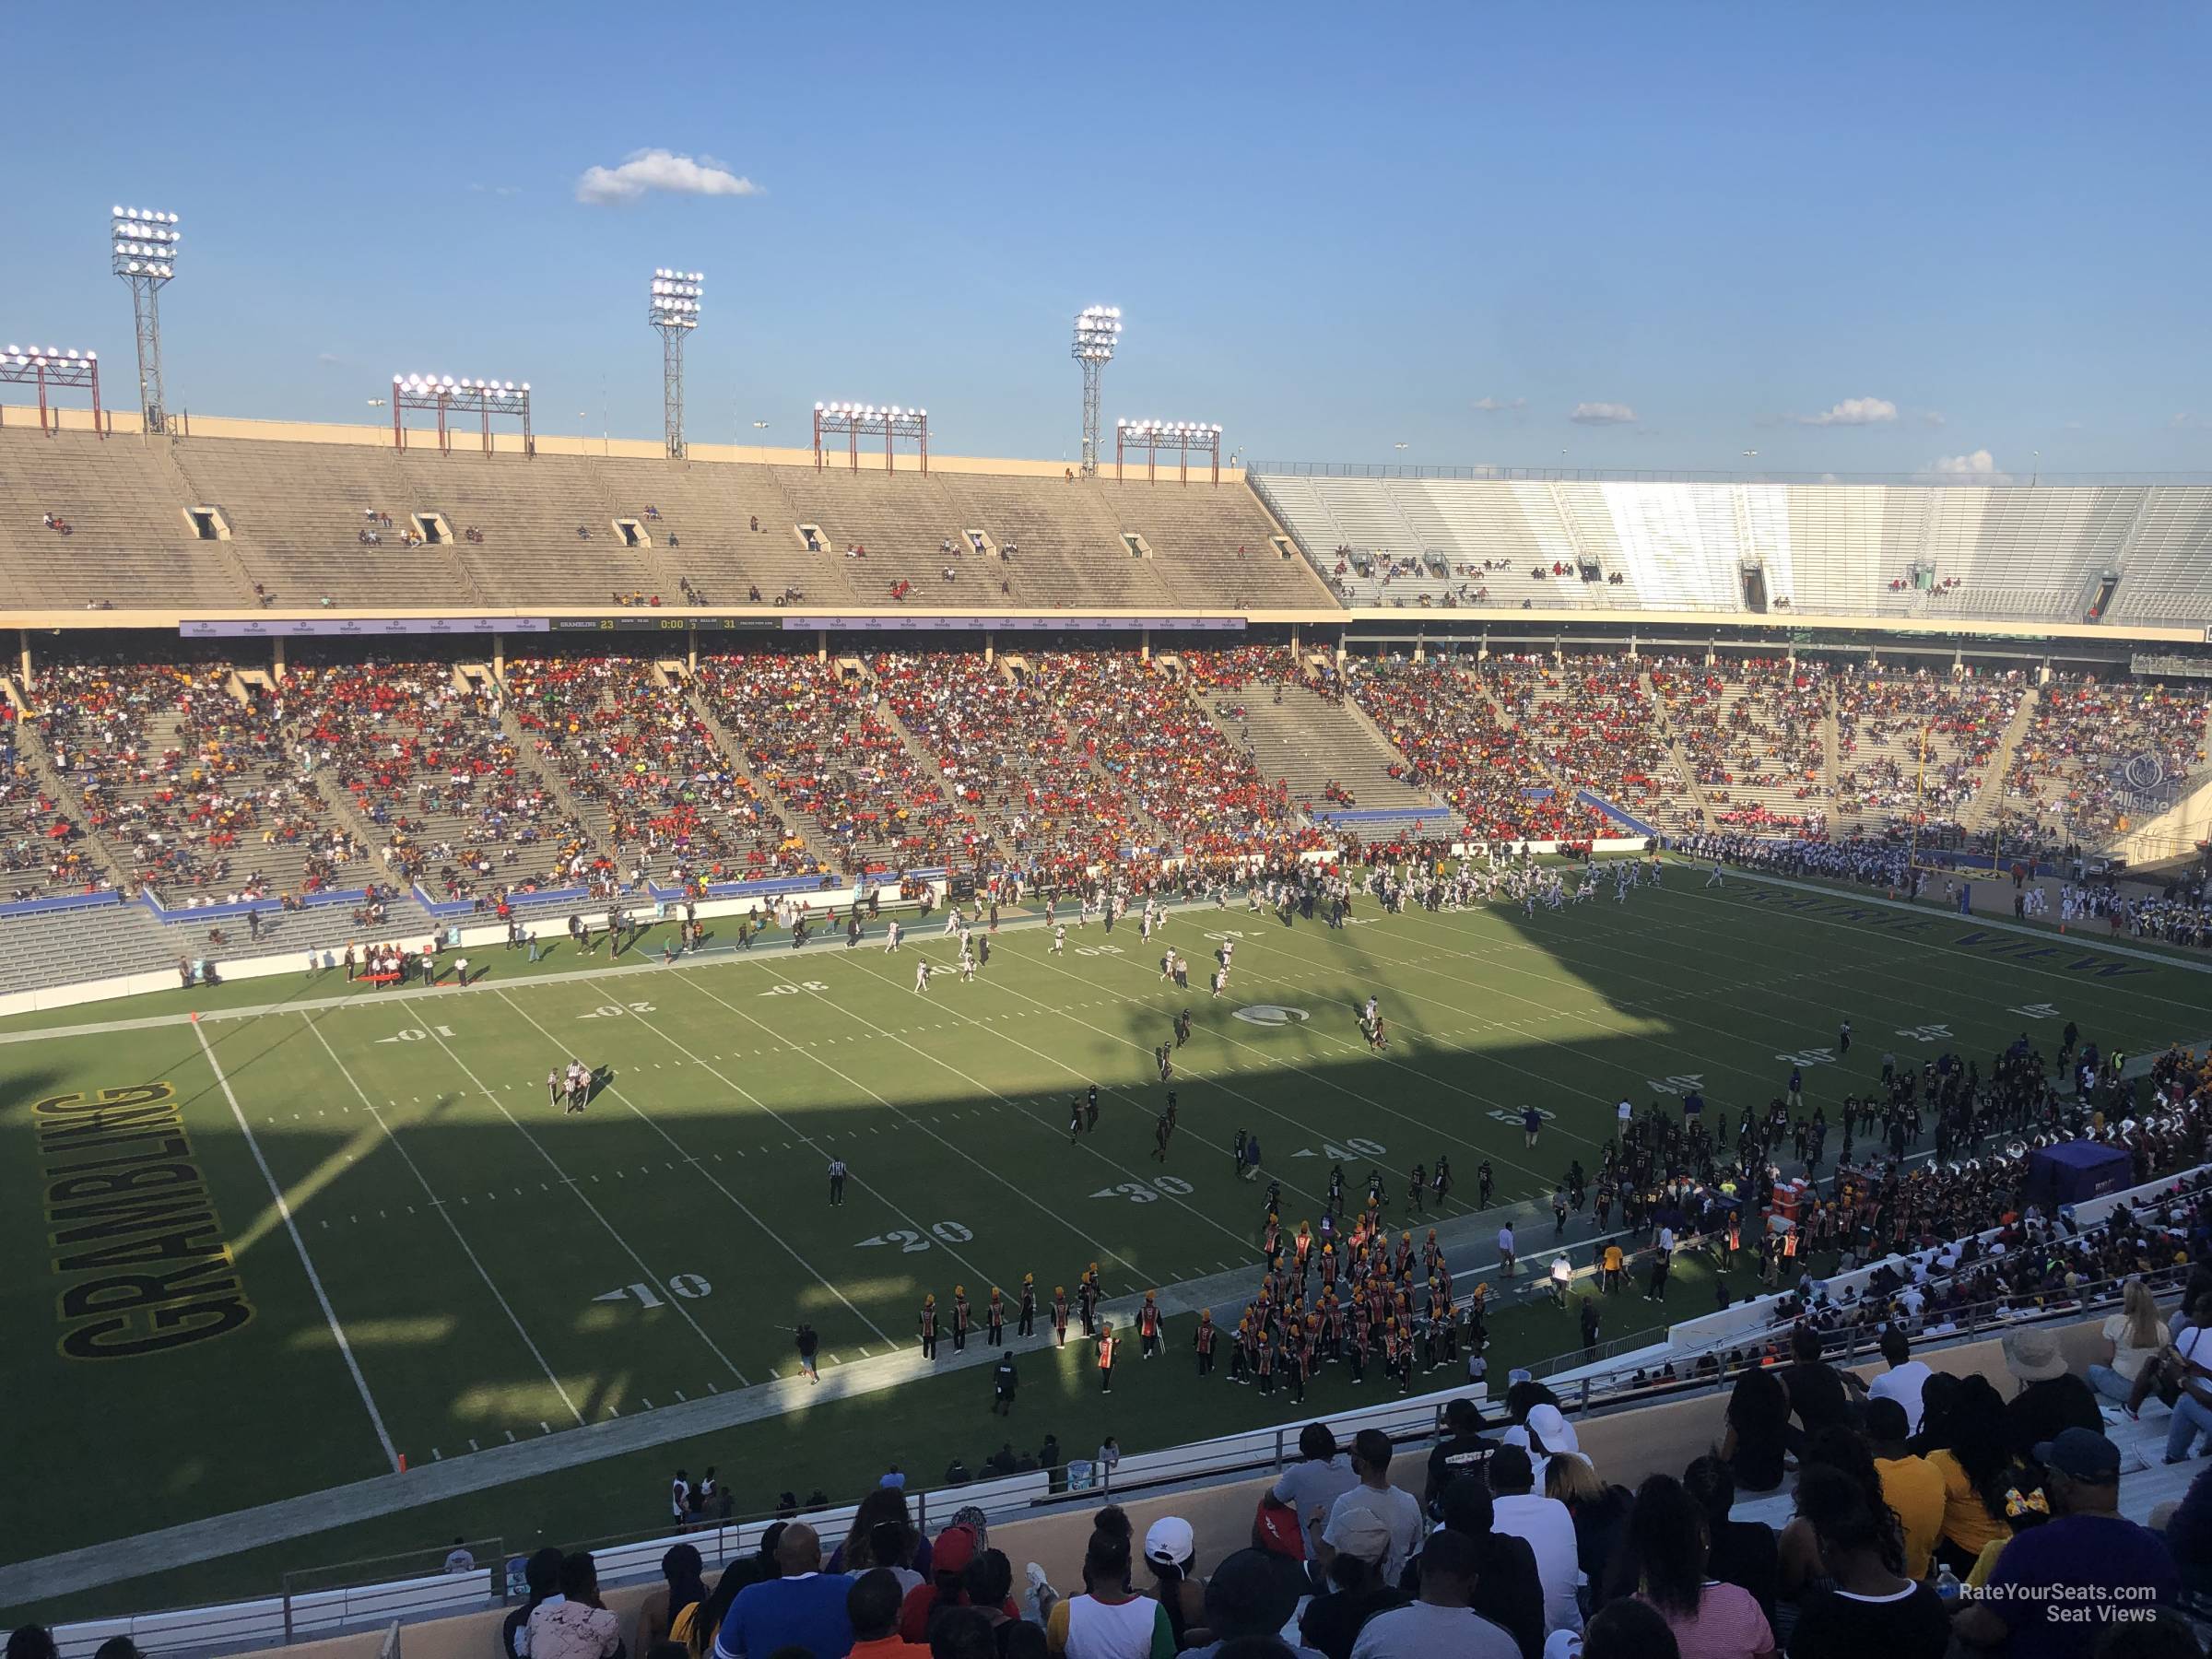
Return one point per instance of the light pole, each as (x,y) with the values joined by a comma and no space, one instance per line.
(1098,330)
(672,310)
(143,252)
(2036,476)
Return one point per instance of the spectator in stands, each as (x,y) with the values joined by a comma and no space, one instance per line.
(1904,1378)
(2133,1335)
(872,1606)
(1548,1528)
(883,1535)
(1710,1618)
(1442,1624)
(1508,1590)
(1842,1450)
(32,1641)
(2188,1533)
(746,1569)
(1737,1552)
(2052,1398)
(947,1587)
(676,1598)
(1600,1510)
(1108,1619)
(1911,1485)
(574,1624)
(1966,1425)
(1542,1431)
(801,1604)
(1170,1545)
(1627,1630)
(1249,1597)
(1462,1451)
(2087,1542)
(1818,1391)
(1398,1511)
(541,1572)
(1357,1590)
(1311,1487)
(1862,1602)
(990,1586)
(1758,1432)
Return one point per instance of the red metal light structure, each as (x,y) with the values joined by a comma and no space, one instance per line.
(445,397)
(51,366)
(855,421)
(1182,436)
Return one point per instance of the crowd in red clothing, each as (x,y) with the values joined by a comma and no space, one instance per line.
(1443,717)
(818,740)
(1024,793)
(670,805)
(1200,792)
(427,760)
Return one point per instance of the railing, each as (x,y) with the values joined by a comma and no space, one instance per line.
(1859,1343)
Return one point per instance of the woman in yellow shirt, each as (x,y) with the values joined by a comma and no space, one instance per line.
(1973,1461)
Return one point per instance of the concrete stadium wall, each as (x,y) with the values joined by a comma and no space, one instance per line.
(122,423)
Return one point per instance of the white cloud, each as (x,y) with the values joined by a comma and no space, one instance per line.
(1980,467)
(1852,411)
(659,170)
(1603,414)
(1932,418)
(1500,406)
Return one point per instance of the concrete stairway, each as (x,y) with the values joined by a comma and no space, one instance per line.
(1307,741)
(1691,797)
(1990,799)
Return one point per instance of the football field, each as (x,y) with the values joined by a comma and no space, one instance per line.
(278,1249)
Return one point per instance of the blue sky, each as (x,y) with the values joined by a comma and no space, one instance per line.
(1854,239)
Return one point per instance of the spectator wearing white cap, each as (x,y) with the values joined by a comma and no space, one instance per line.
(1544,1435)
(1169,1548)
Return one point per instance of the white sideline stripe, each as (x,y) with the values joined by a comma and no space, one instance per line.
(315,1279)
(445,1215)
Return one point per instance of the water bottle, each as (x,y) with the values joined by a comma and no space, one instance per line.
(1946,1586)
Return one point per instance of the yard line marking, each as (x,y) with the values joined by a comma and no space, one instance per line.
(452,1226)
(1106,1250)
(284,1210)
(644,1272)
(739,1204)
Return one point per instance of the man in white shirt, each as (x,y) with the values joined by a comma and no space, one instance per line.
(1505,1251)
(1397,1509)
(1548,1528)
(1904,1378)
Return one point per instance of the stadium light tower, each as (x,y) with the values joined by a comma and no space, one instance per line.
(1098,330)
(144,253)
(1184,437)
(49,366)
(672,310)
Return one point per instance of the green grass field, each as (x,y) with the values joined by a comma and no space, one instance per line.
(502,1271)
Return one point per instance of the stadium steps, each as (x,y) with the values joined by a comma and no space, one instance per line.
(711,509)
(32,753)
(1690,798)
(734,756)
(1307,741)
(597,828)
(1831,737)
(1989,799)
(296,512)
(131,542)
